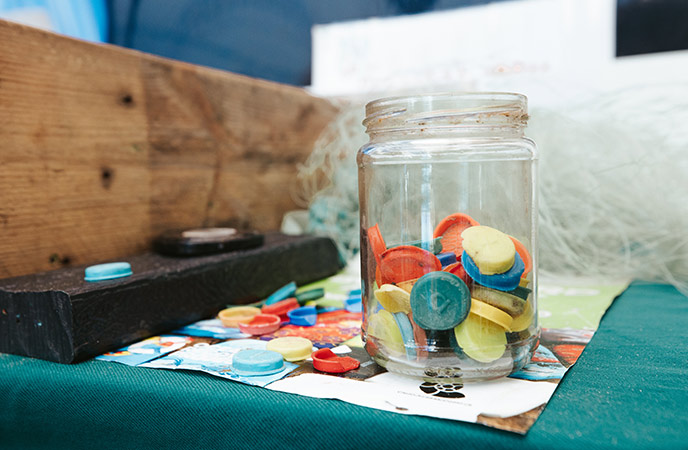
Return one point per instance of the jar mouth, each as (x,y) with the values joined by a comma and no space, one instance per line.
(449,110)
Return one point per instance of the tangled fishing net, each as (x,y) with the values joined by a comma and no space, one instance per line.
(613,182)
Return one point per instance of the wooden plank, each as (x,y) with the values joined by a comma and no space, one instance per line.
(60,317)
(101,148)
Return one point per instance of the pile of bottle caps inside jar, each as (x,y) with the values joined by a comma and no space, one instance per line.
(468,282)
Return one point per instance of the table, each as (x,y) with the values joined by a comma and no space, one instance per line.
(629,389)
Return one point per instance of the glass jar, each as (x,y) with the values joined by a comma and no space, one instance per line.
(448,204)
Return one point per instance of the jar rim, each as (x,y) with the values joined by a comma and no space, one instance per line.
(447,109)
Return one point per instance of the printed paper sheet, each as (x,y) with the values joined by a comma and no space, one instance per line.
(570,311)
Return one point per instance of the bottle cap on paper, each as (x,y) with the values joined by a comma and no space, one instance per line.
(305,316)
(325,360)
(261,324)
(251,363)
(292,348)
(232,317)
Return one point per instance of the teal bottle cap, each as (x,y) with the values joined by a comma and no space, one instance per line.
(282,293)
(311,294)
(440,301)
(108,271)
(252,363)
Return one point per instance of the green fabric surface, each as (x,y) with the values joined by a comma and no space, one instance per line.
(628,390)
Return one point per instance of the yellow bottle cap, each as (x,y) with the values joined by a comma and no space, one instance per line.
(292,348)
(491,313)
(232,317)
(480,338)
(384,328)
(407,285)
(523,321)
(394,299)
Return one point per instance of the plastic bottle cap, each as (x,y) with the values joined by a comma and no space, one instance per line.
(407,336)
(232,317)
(521,292)
(261,324)
(393,298)
(523,253)
(480,339)
(507,281)
(311,294)
(325,360)
(292,348)
(385,330)
(281,308)
(407,285)
(108,271)
(492,314)
(447,258)
(491,250)
(377,244)
(420,338)
(458,270)
(305,316)
(406,263)
(209,233)
(524,320)
(353,304)
(282,293)
(333,303)
(440,301)
(450,229)
(251,363)
(505,301)
(205,241)
(324,305)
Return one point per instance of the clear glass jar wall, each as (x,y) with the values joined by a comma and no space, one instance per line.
(448,202)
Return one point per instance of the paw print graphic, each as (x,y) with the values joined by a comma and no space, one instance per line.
(447,390)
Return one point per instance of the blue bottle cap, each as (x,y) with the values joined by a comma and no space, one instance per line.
(108,271)
(440,301)
(252,363)
(406,330)
(282,293)
(326,309)
(305,316)
(353,304)
(507,281)
(447,258)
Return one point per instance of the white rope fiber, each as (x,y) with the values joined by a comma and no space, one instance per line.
(613,184)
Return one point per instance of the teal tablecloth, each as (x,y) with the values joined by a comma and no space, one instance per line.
(629,389)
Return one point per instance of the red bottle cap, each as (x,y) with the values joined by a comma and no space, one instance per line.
(261,324)
(281,308)
(407,262)
(377,244)
(450,229)
(325,360)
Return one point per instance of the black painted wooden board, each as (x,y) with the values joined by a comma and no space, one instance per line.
(59,317)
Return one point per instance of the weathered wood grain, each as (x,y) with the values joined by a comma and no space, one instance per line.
(101,148)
